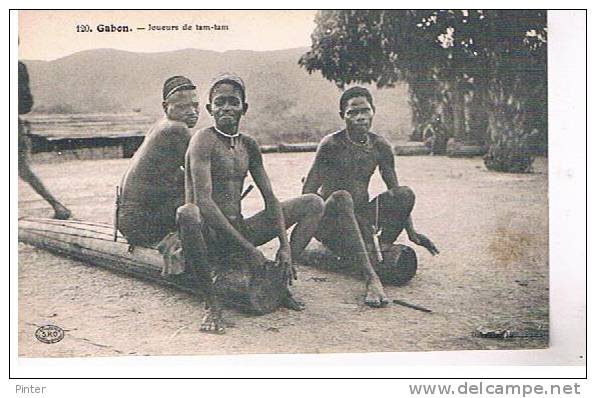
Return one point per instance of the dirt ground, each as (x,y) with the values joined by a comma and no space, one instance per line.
(491,228)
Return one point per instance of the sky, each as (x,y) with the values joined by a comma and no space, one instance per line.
(48,35)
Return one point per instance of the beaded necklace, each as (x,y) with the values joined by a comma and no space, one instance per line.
(233,137)
(364,145)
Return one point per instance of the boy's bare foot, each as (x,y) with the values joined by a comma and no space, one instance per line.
(213,322)
(61,212)
(375,295)
(291,303)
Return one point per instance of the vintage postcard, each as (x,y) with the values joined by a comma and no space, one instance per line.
(255,182)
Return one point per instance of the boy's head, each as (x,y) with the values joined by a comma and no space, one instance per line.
(357,109)
(227,101)
(180,101)
(229,78)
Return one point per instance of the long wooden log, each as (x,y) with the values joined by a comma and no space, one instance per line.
(411,149)
(303,147)
(288,148)
(253,290)
(465,151)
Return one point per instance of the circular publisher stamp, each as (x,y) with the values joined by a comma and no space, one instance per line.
(49,334)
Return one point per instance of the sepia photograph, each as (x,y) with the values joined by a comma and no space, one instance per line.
(282,182)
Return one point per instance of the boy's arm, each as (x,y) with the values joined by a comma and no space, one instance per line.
(389,176)
(387,163)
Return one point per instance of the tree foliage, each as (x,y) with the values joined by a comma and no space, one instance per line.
(499,54)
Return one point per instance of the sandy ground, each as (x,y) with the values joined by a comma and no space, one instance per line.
(491,228)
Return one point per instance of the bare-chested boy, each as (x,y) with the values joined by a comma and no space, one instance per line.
(153,186)
(342,169)
(211,222)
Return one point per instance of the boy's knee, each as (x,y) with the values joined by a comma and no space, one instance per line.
(188,215)
(343,199)
(314,203)
(405,195)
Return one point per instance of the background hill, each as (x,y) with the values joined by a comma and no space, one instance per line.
(286,103)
